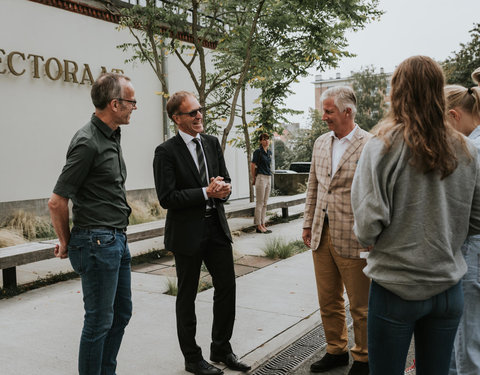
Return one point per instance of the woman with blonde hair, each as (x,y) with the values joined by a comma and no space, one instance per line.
(463,109)
(415,198)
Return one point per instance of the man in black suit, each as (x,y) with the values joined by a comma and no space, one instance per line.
(192,183)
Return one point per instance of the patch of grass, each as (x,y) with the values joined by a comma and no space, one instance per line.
(29,226)
(51,279)
(279,248)
(301,188)
(145,211)
(275,193)
(172,289)
(298,246)
(10,237)
(204,284)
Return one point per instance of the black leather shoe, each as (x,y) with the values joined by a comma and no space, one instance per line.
(359,368)
(202,368)
(231,361)
(329,361)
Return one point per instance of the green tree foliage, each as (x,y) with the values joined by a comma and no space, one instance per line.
(292,36)
(370,88)
(261,44)
(459,67)
(303,144)
(283,155)
(264,44)
(162,30)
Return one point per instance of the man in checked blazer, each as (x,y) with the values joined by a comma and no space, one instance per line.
(328,231)
(192,183)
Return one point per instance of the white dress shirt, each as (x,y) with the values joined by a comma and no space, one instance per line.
(339,147)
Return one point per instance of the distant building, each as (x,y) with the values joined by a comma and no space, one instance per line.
(323,84)
(290,131)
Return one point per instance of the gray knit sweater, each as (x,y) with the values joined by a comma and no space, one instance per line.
(416,222)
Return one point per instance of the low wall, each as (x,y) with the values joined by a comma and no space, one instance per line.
(39,207)
(290,183)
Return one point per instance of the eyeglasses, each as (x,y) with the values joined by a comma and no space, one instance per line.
(132,102)
(191,113)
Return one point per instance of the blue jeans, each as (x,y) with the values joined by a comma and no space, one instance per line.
(392,321)
(466,353)
(102,259)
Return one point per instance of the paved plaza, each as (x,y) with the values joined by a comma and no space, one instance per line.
(276,305)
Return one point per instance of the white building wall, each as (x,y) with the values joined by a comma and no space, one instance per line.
(39,115)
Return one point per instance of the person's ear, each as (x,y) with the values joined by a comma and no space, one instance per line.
(174,121)
(114,105)
(455,115)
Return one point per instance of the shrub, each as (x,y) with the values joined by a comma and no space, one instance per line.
(29,225)
(278,248)
(204,284)
(172,289)
(9,237)
(145,211)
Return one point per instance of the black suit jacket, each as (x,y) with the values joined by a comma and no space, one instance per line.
(179,190)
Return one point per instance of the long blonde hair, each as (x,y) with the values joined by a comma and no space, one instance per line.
(417,113)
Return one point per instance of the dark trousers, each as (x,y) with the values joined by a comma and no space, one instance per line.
(216,253)
(392,321)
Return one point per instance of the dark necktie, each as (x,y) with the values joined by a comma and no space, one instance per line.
(202,169)
(201,162)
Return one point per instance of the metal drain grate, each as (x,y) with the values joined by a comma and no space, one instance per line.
(298,352)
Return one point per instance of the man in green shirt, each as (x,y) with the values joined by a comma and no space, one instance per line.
(94,179)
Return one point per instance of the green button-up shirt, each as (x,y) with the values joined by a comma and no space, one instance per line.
(94,177)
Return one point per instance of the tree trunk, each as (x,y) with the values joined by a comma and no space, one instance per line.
(247,145)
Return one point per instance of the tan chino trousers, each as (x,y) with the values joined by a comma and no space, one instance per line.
(262,192)
(332,273)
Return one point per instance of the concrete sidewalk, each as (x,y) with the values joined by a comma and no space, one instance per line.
(276,305)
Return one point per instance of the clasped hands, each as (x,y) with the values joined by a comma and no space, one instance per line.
(218,188)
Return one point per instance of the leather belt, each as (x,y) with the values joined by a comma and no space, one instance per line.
(111,229)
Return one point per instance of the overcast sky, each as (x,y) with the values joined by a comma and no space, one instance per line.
(409,27)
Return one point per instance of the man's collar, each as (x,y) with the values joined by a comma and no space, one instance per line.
(348,137)
(187,138)
(104,128)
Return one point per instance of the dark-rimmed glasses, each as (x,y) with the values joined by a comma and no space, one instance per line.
(132,102)
(191,113)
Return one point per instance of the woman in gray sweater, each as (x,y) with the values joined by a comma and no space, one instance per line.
(415,198)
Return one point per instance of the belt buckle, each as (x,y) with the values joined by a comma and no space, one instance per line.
(209,212)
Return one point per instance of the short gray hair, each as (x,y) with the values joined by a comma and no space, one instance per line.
(107,87)
(343,97)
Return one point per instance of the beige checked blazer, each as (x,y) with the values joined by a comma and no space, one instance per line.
(334,193)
